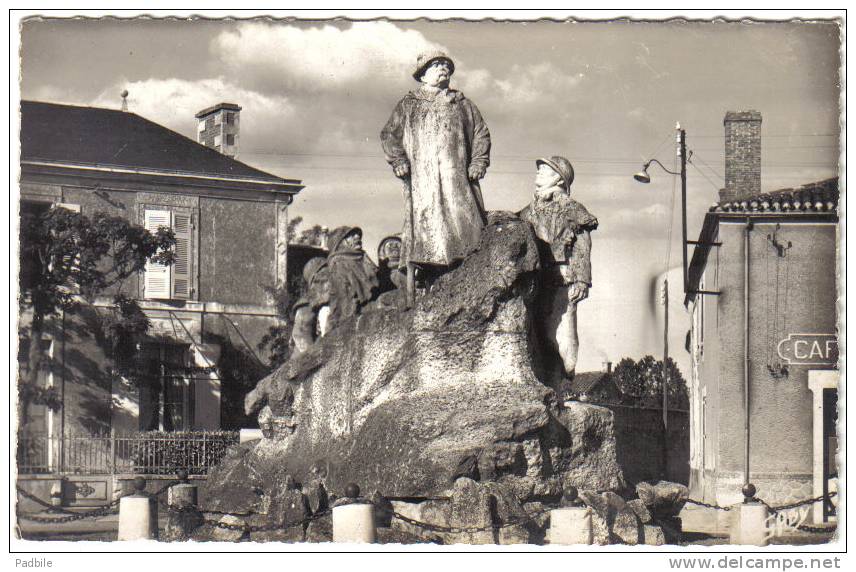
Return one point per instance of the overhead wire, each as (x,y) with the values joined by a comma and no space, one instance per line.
(714,185)
(695,155)
(671,217)
(668,138)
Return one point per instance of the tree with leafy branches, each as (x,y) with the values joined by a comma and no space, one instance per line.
(641,383)
(312,236)
(67,259)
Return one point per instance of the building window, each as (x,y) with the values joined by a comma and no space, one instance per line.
(230,139)
(167,388)
(170,282)
(230,118)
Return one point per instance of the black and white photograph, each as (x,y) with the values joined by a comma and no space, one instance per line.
(401,282)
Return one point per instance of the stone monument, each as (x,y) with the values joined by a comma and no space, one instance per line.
(442,409)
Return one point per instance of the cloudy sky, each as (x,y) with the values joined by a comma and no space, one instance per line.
(607,95)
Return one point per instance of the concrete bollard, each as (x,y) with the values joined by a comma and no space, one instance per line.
(138,514)
(354,522)
(570,525)
(183,517)
(750,526)
(56,493)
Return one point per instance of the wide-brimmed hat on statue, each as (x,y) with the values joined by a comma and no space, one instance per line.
(340,234)
(426,59)
(561,165)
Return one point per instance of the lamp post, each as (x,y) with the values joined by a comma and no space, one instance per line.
(644,177)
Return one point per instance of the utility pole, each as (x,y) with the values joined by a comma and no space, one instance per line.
(665,379)
(682,153)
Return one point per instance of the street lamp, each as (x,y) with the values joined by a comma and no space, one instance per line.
(644,177)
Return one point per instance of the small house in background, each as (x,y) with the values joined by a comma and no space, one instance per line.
(595,387)
(786,316)
(208,311)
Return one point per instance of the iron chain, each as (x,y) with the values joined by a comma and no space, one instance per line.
(815,529)
(772,509)
(775,509)
(708,505)
(247,528)
(467,529)
(75,515)
(112,509)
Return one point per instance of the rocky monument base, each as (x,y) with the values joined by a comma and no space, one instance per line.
(445,411)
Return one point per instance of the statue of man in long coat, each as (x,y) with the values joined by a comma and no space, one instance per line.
(437,142)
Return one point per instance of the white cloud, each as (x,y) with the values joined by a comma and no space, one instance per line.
(523,85)
(174,103)
(322,57)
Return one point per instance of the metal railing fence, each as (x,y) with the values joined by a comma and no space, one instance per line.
(142,453)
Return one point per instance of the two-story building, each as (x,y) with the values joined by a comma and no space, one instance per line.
(212,306)
(770,262)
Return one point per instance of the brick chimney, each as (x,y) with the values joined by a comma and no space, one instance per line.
(742,155)
(219,126)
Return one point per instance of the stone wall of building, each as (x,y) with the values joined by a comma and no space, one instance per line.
(791,294)
(237,259)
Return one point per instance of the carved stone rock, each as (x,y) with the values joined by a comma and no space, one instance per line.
(653,535)
(663,499)
(403,402)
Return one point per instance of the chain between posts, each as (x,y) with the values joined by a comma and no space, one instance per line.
(248,528)
(112,509)
(772,509)
(72,515)
(467,529)
(707,505)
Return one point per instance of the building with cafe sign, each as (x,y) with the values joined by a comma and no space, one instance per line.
(768,264)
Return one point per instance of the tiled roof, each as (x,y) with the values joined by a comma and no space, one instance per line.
(71,134)
(586,381)
(821,196)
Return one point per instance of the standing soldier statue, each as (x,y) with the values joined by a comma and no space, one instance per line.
(438,144)
(563,228)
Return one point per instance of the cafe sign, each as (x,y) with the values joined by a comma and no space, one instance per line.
(809,349)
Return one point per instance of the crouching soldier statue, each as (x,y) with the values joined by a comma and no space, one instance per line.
(563,227)
(312,310)
(353,276)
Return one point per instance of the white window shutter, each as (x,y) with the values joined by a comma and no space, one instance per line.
(157,279)
(181,226)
